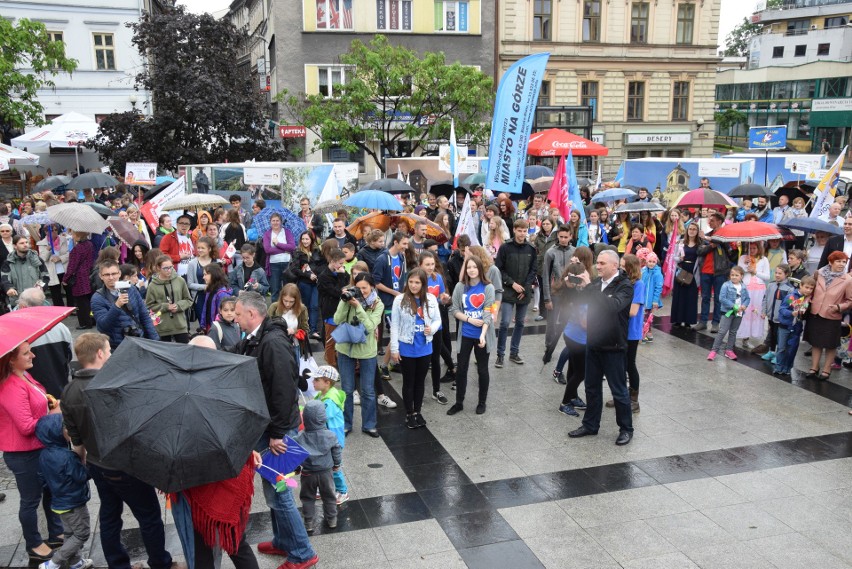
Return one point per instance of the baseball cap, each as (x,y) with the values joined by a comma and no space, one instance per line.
(325,372)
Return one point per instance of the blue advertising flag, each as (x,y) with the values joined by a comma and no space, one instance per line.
(619,176)
(514,111)
(767,138)
(576,200)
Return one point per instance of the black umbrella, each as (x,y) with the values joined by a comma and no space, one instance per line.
(749,191)
(92,180)
(639,206)
(102,210)
(389,185)
(446,189)
(52,182)
(176,416)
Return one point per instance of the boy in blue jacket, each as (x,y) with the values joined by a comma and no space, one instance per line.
(652,277)
(791,315)
(325,379)
(68,481)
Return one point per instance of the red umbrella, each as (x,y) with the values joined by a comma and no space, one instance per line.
(746,231)
(704,198)
(557,142)
(28,324)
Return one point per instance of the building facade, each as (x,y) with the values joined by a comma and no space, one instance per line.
(799,74)
(304,40)
(647,68)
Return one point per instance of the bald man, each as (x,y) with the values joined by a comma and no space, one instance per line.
(203,342)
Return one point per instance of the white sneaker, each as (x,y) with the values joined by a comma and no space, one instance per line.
(385,401)
(356,399)
(82,564)
(342,497)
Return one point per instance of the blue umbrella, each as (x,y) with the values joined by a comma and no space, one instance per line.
(289,219)
(535,171)
(811,225)
(373,199)
(163,180)
(613,195)
(40,218)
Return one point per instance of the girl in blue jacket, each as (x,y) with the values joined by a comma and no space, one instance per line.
(733,300)
(652,277)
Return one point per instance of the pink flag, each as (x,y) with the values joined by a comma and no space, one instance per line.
(558,194)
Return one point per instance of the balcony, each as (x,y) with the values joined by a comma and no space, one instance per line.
(801,9)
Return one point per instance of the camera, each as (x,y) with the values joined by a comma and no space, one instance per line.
(574,279)
(132,331)
(249,284)
(122,286)
(350,293)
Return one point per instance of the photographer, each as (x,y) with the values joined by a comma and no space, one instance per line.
(168,294)
(249,275)
(330,282)
(359,307)
(119,309)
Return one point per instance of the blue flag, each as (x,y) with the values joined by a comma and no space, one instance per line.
(619,176)
(514,110)
(576,200)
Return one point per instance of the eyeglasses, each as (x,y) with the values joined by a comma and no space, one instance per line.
(166,267)
(183,224)
(109,275)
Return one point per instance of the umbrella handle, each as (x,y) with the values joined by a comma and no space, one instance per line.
(50,239)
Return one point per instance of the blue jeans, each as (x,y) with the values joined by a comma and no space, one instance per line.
(116,489)
(276,278)
(310,298)
(611,364)
(31,487)
(711,285)
(506,310)
(288,530)
(346,367)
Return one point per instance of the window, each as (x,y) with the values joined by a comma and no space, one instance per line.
(635,100)
(334,14)
(835,87)
(685,23)
(393,15)
(544,94)
(674,153)
(777,51)
(639,22)
(589,96)
(592,20)
(823,48)
(329,77)
(542,14)
(104,51)
(633,154)
(798,27)
(836,22)
(337,154)
(451,16)
(54,36)
(680,101)
(800,50)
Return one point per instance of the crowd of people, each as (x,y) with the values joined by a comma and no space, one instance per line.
(375,304)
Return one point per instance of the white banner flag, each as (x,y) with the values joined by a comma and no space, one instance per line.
(466,225)
(827,187)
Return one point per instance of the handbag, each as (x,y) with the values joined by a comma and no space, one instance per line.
(307,365)
(346,333)
(684,277)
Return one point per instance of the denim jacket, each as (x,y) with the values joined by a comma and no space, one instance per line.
(728,296)
(402,322)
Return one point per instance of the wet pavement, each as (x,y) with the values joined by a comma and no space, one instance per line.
(729,467)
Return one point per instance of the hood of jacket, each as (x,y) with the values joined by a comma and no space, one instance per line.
(314,416)
(204,218)
(49,431)
(31,258)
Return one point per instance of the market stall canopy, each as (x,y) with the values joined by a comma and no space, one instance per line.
(11,157)
(556,142)
(67,131)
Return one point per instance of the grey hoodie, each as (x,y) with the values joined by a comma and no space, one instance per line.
(323,448)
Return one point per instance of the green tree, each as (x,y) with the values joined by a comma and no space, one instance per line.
(728,120)
(393,95)
(28,62)
(205,109)
(738,40)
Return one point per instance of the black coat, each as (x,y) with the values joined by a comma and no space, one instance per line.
(279,374)
(834,243)
(329,286)
(609,313)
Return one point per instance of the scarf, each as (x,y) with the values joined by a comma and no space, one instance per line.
(220,510)
(370,300)
(829,276)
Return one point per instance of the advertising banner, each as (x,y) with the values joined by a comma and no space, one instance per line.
(262,176)
(140,173)
(152,209)
(767,137)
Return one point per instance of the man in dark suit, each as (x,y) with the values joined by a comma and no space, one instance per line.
(838,243)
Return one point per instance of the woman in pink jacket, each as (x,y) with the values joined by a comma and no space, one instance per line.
(23,401)
(832,297)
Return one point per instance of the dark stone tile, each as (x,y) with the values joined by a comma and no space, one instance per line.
(350,516)
(431,476)
(477,528)
(423,453)
(668,469)
(840,441)
(567,484)
(399,435)
(395,509)
(502,554)
(720,462)
(623,476)
(813,449)
(767,455)
(454,500)
(512,492)
(9,557)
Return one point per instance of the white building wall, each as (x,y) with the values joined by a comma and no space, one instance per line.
(839,40)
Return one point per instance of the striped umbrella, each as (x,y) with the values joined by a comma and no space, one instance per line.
(704,198)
